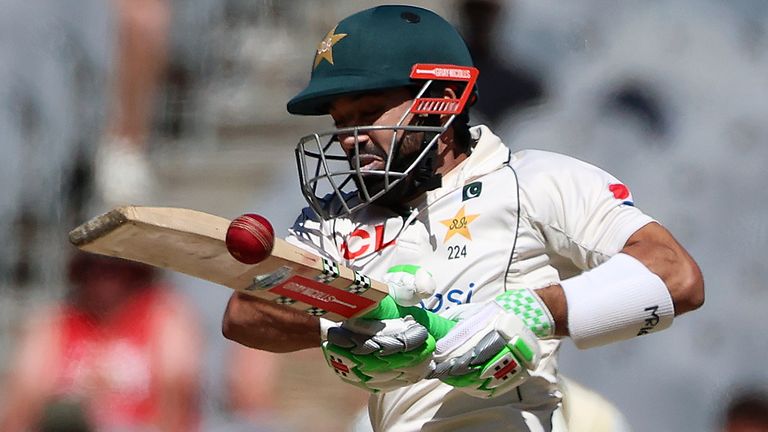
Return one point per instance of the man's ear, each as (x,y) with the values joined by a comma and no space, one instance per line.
(448,93)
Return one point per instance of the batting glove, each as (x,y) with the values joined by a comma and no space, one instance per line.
(391,347)
(494,350)
(409,284)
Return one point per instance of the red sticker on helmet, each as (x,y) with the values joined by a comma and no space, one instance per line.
(442,72)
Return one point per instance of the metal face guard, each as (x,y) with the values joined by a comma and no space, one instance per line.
(333,183)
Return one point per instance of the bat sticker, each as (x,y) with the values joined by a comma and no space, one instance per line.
(325,297)
(269,280)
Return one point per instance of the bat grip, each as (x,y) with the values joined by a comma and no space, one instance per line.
(436,325)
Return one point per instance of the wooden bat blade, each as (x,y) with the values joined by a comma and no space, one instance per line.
(185,241)
(192,242)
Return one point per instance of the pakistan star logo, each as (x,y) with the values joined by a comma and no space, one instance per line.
(325,47)
(459,224)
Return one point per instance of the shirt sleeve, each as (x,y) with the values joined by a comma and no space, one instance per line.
(313,235)
(583,213)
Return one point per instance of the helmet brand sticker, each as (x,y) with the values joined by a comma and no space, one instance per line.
(444,72)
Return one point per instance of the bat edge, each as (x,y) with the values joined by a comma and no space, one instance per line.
(97,227)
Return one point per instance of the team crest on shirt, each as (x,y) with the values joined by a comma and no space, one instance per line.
(472,190)
(459,224)
(621,192)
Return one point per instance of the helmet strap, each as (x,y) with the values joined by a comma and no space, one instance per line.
(424,176)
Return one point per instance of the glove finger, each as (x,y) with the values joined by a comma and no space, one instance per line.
(366,326)
(369,346)
(388,345)
(340,337)
(487,348)
(409,284)
(344,338)
(460,365)
(411,339)
(440,370)
(414,337)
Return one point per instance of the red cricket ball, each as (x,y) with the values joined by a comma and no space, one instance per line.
(250,238)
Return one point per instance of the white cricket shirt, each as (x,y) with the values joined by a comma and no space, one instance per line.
(500,221)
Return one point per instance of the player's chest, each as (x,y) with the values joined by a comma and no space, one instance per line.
(465,239)
(469,228)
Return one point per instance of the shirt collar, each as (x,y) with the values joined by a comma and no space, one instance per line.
(488,155)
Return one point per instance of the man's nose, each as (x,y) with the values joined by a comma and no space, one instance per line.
(348,141)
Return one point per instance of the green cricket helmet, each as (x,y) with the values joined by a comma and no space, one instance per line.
(377,49)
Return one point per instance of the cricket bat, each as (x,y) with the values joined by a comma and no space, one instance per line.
(192,242)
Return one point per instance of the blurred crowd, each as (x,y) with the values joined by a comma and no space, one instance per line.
(105,103)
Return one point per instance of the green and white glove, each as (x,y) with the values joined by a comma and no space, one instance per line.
(391,347)
(494,350)
(409,284)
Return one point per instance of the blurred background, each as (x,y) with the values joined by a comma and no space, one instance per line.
(182,103)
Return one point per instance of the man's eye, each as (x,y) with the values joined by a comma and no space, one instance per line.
(366,117)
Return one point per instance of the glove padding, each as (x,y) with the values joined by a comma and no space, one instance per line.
(487,354)
(391,347)
(385,337)
(409,284)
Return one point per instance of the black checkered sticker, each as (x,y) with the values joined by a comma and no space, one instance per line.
(316,311)
(285,300)
(330,272)
(361,284)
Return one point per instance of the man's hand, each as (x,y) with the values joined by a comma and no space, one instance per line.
(391,347)
(380,355)
(493,351)
(485,355)
(384,338)
(409,284)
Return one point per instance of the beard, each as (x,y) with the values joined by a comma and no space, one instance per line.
(407,150)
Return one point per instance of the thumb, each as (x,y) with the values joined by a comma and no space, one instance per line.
(409,284)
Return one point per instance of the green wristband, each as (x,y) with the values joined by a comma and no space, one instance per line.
(529,308)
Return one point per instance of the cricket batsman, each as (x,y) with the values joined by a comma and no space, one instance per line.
(508,251)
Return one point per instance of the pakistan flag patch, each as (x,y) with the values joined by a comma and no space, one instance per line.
(472,190)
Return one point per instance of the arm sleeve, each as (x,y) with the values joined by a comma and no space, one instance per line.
(309,233)
(583,213)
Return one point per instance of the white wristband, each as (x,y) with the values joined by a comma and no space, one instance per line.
(325,324)
(617,300)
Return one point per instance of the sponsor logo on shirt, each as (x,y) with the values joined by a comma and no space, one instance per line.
(621,192)
(472,190)
(451,298)
(459,224)
(362,241)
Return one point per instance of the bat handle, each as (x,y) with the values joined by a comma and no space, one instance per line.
(436,325)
